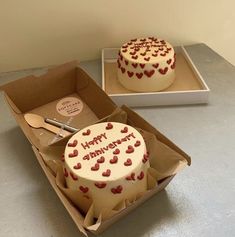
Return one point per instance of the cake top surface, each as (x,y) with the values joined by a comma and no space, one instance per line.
(147,50)
(105,151)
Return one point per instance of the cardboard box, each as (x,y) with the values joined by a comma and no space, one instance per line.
(188,87)
(41,95)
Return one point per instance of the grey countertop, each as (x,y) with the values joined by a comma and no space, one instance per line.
(200,201)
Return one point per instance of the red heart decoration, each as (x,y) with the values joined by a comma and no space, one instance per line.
(134,65)
(77,166)
(106,173)
(124,50)
(101,160)
(123,69)
(163,71)
(73,144)
(124,130)
(119,64)
(128,162)
(168,49)
(139,75)
(173,66)
(133,40)
(143,54)
(113,160)
(142,65)
(168,61)
(132,53)
(100,184)
(130,149)
(74,177)
(66,174)
(131,177)
(154,54)
(130,74)
(156,51)
(109,126)
(142,40)
(88,132)
(126,62)
(163,54)
(137,143)
(141,175)
(149,73)
(124,46)
(116,151)
(163,41)
(161,49)
(155,65)
(95,167)
(145,158)
(84,189)
(129,43)
(137,49)
(73,154)
(147,58)
(121,57)
(116,190)
(62,158)
(134,56)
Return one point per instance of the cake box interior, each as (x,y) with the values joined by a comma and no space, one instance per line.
(188,88)
(41,95)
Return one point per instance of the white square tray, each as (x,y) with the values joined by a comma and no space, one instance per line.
(188,88)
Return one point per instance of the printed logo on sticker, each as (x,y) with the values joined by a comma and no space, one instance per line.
(69,106)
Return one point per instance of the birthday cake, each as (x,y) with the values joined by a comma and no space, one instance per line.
(146,64)
(107,162)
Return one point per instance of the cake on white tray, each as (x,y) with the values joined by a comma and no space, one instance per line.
(108,163)
(146,64)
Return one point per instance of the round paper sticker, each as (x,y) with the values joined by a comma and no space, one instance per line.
(69,106)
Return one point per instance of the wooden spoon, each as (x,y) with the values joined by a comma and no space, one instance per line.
(37,121)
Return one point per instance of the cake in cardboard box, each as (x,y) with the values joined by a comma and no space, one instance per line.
(108,163)
(146,64)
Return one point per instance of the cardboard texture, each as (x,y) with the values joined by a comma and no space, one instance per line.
(40,95)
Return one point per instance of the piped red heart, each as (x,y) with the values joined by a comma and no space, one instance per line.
(113,160)
(73,154)
(163,54)
(141,175)
(132,53)
(142,40)
(88,132)
(101,160)
(95,167)
(124,50)
(117,190)
(130,74)
(73,144)
(168,49)
(109,126)
(131,177)
(124,130)
(116,151)
(143,54)
(142,65)
(155,65)
(62,158)
(134,56)
(145,158)
(128,162)
(123,69)
(100,184)
(137,143)
(133,40)
(126,62)
(74,177)
(66,174)
(168,61)
(139,75)
(147,58)
(173,66)
(77,166)
(124,46)
(130,149)
(134,65)
(149,73)
(154,54)
(84,189)
(106,173)
(163,71)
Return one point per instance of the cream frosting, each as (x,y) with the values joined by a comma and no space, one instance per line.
(146,64)
(108,163)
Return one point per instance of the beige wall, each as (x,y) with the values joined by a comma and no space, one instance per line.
(35,33)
